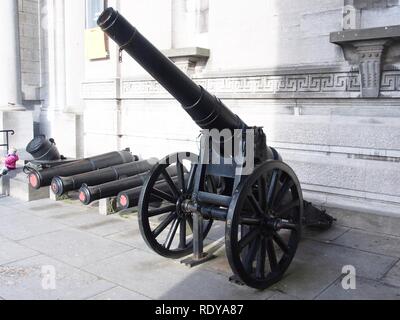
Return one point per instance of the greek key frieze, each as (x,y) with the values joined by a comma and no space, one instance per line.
(335,84)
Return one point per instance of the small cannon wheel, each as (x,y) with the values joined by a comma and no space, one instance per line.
(263,226)
(167,229)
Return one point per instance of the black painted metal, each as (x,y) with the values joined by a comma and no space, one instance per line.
(272,230)
(43,149)
(43,178)
(205,109)
(152,230)
(61,185)
(7,138)
(89,194)
(130,198)
(199,202)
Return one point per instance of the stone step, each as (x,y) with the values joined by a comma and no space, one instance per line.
(16,185)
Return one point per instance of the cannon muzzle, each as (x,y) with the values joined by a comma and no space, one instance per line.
(62,185)
(39,179)
(205,109)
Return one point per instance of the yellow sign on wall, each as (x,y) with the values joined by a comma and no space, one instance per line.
(95,44)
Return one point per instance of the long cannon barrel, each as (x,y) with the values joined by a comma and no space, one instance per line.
(205,109)
(111,189)
(38,179)
(61,185)
(130,198)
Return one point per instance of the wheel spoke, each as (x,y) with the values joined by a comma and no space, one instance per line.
(190,222)
(250,221)
(247,239)
(172,233)
(280,242)
(171,184)
(260,272)
(262,196)
(273,188)
(284,209)
(161,227)
(163,195)
(182,234)
(272,255)
(251,254)
(181,176)
(160,211)
(284,189)
(192,174)
(255,205)
(288,226)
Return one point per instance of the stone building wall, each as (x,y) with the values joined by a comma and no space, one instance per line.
(30,50)
(273,64)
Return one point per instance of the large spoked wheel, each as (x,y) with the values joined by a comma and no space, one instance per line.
(263,227)
(167,229)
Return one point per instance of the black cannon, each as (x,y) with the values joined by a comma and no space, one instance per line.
(43,149)
(263,208)
(130,198)
(43,178)
(62,185)
(89,194)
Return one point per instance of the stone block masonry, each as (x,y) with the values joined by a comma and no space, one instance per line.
(29,25)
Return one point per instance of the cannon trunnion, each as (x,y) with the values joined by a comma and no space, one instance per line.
(258,195)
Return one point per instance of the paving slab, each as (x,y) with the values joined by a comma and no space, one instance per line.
(377,223)
(283,297)
(131,237)
(23,226)
(317,265)
(11,251)
(47,208)
(393,276)
(304,281)
(119,293)
(217,231)
(9,201)
(326,235)
(368,265)
(25,280)
(75,247)
(371,242)
(365,290)
(161,278)
(4,210)
(93,222)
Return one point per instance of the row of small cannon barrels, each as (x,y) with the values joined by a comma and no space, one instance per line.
(116,174)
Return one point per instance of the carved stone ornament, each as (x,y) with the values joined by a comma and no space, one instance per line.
(368,49)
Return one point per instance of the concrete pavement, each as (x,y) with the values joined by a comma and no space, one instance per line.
(99,258)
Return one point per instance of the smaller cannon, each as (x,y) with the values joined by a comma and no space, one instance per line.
(61,185)
(130,198)
(43,149)
(43,178)
(89,194)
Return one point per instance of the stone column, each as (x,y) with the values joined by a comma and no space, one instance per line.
(12,114)
(10,62)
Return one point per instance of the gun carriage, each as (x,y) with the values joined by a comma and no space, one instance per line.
(263,208)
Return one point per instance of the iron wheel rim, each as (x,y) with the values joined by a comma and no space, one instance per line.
(266,239)
(176,220)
